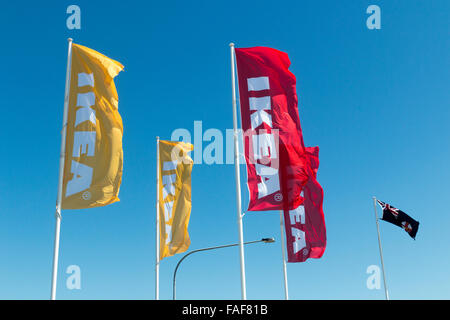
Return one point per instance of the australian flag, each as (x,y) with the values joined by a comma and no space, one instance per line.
(399,218)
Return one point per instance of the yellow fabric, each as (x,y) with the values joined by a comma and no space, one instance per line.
(94,156)
(175,167)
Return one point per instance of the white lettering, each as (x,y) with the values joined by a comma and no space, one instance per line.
(270,182)
(85,79)
(170,165)
(82,178)
(168,185)
(168,207)
(264,146)
(258,84)
(297,215)
(85,101)
(300,239)
(260,116)
(84,143)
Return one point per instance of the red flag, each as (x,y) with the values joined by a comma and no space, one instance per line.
(305,225)
(279,167)
(277,164)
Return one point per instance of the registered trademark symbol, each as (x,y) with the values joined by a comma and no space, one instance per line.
(86,195)
(278,197)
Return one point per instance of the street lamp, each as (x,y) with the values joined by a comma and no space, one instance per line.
(265,240)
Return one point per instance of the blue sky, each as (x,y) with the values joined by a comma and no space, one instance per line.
(375,101)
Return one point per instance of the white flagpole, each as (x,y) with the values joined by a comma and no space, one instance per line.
(61,173)
(237,174)
(286,291)
(157,222)
(381,250)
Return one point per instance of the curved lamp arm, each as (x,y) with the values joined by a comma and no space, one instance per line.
(266,240)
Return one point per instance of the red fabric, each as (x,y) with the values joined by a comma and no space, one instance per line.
(291,162)
(314,227)
(289,167)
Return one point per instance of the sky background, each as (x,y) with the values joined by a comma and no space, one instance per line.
(376,102)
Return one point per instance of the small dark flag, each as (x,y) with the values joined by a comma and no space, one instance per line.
(399,218)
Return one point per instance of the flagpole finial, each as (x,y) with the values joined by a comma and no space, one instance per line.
(69,39)
(231,44)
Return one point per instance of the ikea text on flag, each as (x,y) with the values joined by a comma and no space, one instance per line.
(305,225)
(174,197)
(273,144)
(94,156)
(279,167)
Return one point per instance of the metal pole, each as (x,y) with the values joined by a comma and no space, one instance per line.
(381,250)
(267,240)
(157,222)
(61,173)
(283,250)
(237,174)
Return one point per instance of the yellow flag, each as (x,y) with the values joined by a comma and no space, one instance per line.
(94,156)
(175,168)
